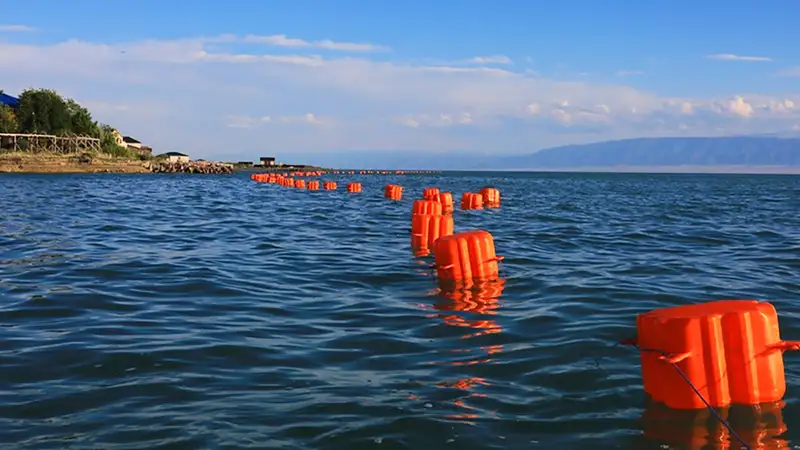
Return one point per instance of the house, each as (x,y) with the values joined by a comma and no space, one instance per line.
(177,157)
(131,142)
(8,100)
(118,138)
(267,161)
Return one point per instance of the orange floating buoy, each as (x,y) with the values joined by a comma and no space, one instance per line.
(300,184)
(354,187)
(330,185)
(466,257)
(471,200)
(430,193)
(312,185)
(427,228)
(426,207)
(446,199)
(393,192)
(729,350)
(491,197)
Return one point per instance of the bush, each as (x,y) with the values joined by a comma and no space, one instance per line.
(108,144)
(8,120)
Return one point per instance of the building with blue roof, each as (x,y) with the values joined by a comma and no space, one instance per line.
(6,99)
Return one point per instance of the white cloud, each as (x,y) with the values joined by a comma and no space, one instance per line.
(246,121)
(495,59)
(778,106)
(561,116)
(437,120)
(281,40)
(222,94)
(307,118)
(234,121)
(16,29)
(732,57)
(740,107)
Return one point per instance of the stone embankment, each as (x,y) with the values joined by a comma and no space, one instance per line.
(203,167)
(50,163)
(53,163)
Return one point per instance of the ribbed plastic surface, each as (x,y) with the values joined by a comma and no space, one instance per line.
(730,350)
(471,200)
(427,228)
(466,256)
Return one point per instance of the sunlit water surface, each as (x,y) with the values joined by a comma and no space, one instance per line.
(171,311)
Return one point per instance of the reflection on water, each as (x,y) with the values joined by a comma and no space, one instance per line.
(419,246)
(480,301)
(760,427)
(472,311)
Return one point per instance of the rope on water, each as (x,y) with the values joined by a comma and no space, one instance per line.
(666,355)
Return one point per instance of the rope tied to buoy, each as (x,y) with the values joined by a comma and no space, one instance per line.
(673,360)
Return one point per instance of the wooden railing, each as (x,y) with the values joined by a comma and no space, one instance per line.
(46,143)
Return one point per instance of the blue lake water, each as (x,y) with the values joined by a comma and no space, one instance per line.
(210,312)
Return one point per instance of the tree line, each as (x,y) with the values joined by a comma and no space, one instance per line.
(44,111)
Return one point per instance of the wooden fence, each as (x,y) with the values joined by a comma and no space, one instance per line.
(45,143)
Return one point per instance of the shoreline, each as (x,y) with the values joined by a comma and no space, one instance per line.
(43,163)
(47,163)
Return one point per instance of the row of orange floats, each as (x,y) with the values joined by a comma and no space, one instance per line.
(317,173)
(463,259)
(722,353)
(709,355)
(311,185)
(488,197)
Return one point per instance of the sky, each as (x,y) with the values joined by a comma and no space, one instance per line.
(240,79)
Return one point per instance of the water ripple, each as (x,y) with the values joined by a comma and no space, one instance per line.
(161,311)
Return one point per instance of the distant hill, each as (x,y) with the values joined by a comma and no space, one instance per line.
(664,152)
(712,154)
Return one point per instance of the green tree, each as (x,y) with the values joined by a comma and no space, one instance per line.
(8,120)
(81,122)
(43,111)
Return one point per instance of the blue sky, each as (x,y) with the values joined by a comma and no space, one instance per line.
(238,79)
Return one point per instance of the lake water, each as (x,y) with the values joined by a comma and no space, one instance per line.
(210,312)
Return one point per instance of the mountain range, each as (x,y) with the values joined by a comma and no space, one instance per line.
(777,153)
(744,151)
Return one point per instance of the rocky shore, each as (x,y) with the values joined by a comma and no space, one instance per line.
(203,167)
(52,163)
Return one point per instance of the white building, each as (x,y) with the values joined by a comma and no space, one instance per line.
(177,157)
